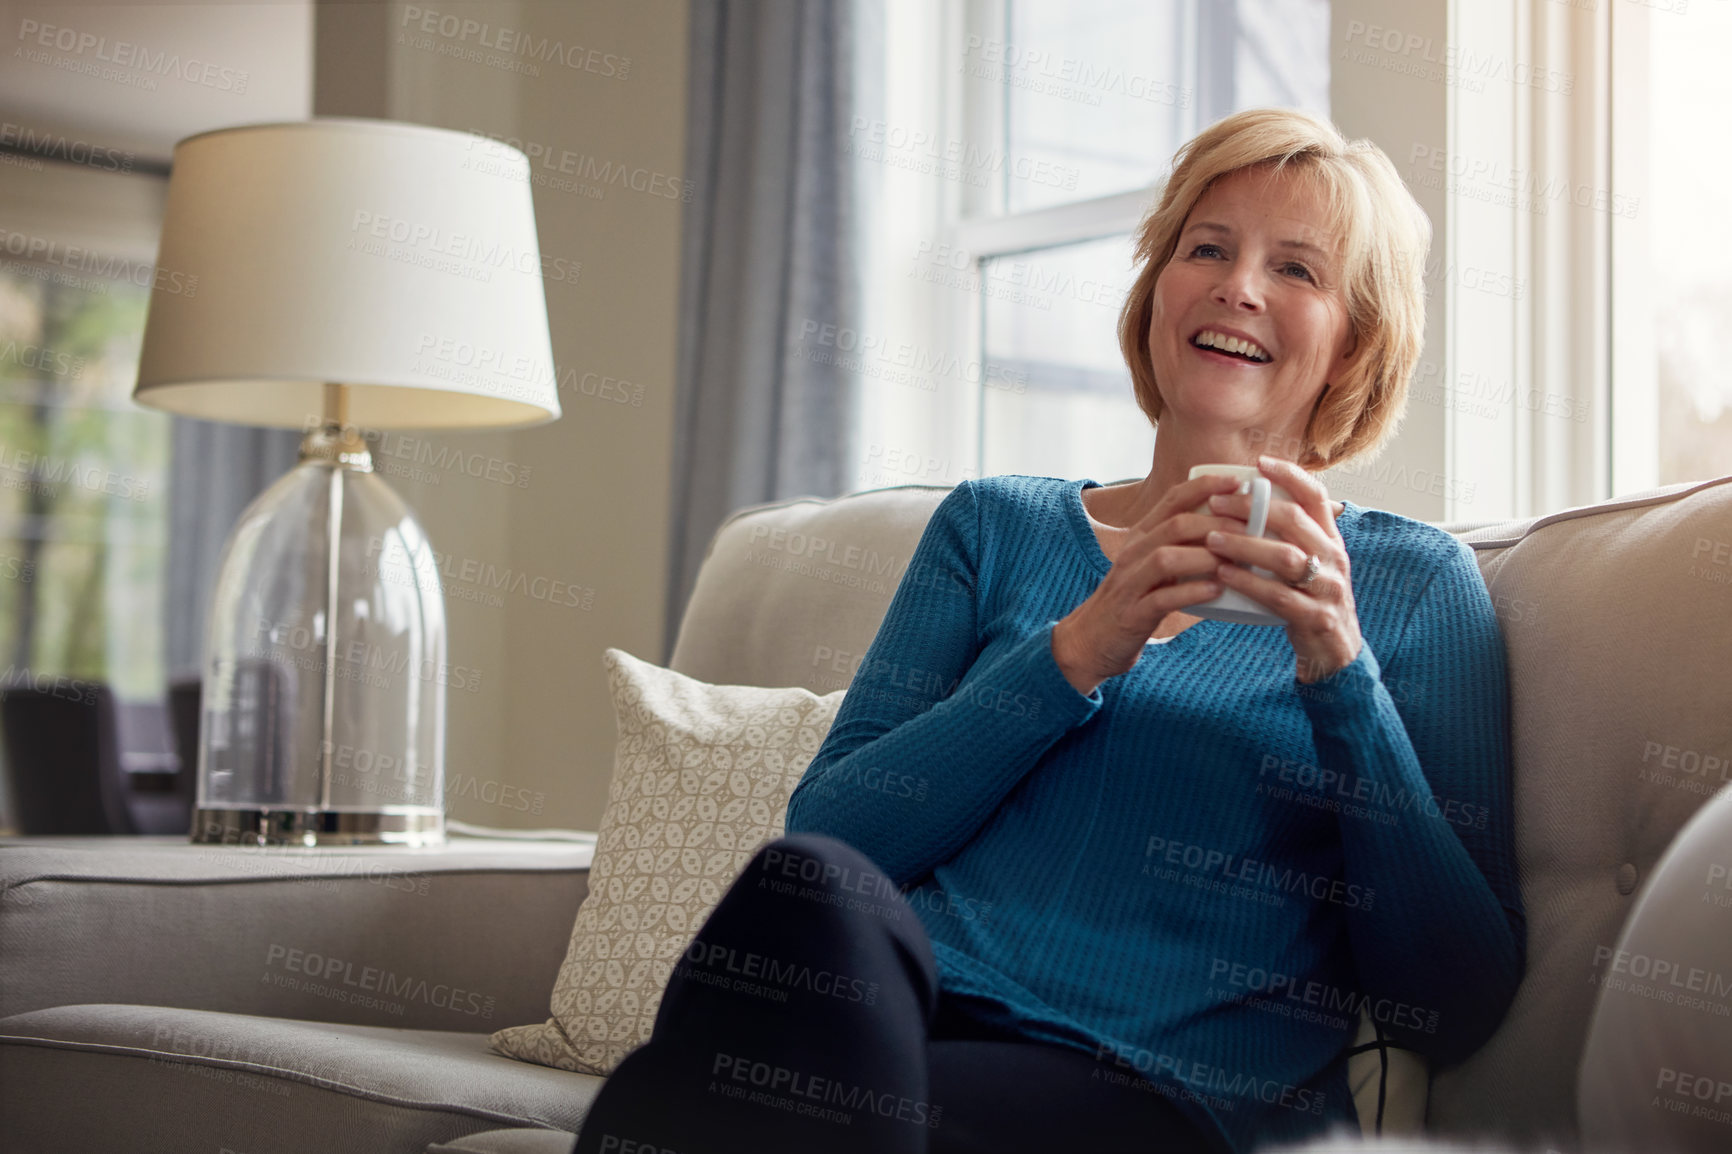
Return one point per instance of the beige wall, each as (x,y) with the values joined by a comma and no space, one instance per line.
(589,521)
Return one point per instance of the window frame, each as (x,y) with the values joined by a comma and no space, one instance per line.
(1552,342)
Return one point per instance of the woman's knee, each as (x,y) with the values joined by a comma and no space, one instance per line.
(806,930)
(827,882)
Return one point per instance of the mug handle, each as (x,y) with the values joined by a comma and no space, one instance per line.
(1261,491)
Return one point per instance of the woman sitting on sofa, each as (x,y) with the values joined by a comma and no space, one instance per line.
(1157,864)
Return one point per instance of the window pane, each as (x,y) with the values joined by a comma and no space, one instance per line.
(1100,95)
(1057,399)
(1691,233)
(82,470)
(1280,55)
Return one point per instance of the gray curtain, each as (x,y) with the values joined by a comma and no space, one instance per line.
(215,471)
(768,245)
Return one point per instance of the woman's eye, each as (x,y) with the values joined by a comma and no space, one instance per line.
(1294,268)
(1207,250)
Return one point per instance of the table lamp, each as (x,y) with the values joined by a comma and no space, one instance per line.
(333,275)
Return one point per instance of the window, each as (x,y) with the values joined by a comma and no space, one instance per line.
(1001,264)
(1061,402)
(1689,307)
(82,469)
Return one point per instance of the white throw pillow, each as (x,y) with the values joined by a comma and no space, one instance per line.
(1656,1071)
(702,776)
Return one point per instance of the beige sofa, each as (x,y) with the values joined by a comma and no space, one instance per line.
(1617,620)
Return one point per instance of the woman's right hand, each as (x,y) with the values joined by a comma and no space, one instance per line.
(1160,568)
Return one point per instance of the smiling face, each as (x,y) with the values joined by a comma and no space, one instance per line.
(1248,321)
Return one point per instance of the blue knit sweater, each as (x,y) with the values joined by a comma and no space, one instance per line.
(1204,870)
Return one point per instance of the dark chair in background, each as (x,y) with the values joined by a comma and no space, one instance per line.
(82,762)
(63,756)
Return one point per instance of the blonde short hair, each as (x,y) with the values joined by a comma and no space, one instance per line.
(1383,235)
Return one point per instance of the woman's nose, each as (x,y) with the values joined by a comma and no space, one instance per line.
(1238,288)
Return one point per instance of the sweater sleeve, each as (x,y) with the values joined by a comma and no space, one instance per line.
(934,730)
(1446,933)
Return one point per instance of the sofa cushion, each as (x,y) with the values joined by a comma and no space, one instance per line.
(173,1080)
(701,779)
(117,920)
(793,593)
(1617,619)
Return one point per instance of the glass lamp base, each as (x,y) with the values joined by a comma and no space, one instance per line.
(323,698)
(403,826)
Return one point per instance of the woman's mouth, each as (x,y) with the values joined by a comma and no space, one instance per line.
(1237,348)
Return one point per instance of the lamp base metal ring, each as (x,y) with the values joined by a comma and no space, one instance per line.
(316,827)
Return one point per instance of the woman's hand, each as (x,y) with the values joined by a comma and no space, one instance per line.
(1322,622)
(1161,567)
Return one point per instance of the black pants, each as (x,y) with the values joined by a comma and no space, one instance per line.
(806,1016)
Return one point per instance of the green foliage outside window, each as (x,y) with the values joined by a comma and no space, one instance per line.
(82,477)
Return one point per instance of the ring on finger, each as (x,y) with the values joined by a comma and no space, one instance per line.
(1313,566)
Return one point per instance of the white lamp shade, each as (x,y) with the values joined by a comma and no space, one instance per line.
(396,259)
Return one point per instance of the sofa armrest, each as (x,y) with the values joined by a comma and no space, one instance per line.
(466,936)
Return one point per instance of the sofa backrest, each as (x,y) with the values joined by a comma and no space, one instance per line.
(1617,620)
(793,593)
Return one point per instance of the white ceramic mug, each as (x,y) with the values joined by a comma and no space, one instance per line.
(1233,605)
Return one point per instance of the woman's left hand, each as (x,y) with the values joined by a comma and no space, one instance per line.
(1322,623)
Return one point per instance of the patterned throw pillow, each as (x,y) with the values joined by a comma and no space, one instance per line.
(702,775)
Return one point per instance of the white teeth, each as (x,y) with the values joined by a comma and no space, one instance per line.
(1209,338)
